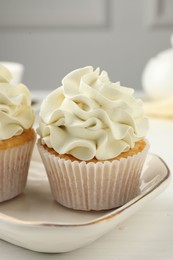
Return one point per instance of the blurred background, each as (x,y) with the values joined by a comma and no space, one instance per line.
(51,38)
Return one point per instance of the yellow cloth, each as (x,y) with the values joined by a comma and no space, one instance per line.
(160,108)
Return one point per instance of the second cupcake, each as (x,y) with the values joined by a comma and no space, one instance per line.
(17,136)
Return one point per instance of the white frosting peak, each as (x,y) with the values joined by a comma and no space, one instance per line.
(89,116)
(16,114)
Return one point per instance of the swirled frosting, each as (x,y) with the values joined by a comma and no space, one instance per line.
(89,116)
(16,114)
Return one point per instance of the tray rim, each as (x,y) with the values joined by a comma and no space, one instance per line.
(106,217)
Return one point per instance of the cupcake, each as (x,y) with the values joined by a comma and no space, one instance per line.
(92,141)
(17,136)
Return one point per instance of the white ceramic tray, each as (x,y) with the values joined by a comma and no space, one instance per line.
(35,221)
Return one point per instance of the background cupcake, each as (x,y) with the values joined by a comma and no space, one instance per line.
(17,137)
(92,141)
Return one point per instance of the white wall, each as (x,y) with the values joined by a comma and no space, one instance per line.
(51,38)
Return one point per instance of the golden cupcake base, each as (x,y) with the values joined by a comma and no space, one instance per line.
(15,156)
(94,185)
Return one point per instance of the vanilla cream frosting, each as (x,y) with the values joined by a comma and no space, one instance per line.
(16,114)
(89,116)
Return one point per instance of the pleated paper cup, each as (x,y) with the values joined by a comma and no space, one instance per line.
(14,166)
(93,186)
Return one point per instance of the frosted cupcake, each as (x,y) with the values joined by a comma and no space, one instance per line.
(92,141)
(17,137)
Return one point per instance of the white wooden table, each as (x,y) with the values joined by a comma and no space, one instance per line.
(146,235)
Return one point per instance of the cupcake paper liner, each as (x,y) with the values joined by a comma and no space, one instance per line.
(14,165)
(93,186)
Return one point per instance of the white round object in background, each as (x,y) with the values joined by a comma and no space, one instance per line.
(17,70)
(157,77)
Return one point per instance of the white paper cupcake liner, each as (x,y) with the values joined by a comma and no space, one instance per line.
(93,186)
(14,165)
